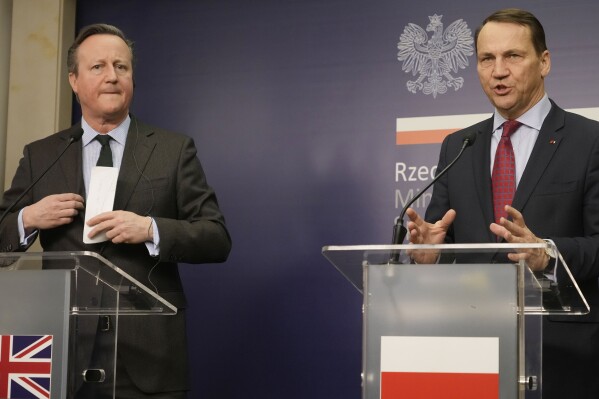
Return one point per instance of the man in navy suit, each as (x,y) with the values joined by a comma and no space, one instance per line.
(164,210)
(556,156)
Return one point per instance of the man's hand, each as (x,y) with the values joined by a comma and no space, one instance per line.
(122,227)
(422,232)
(52,211)
(516,232)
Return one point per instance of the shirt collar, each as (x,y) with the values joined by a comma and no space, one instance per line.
(532,118)
(119,133)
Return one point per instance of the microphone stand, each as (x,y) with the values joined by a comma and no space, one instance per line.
(73,138)
(399,230)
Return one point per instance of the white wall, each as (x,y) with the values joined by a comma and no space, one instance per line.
(39,97)
(5,35)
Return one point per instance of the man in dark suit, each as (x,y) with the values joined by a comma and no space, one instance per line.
(556,156)
(164,210)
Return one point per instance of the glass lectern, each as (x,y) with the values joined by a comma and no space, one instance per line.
(467,325)
(59,320)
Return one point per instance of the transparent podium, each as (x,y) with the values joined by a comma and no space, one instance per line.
(465,323)
(59,321)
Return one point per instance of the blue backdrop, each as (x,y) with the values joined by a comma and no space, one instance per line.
(293,105)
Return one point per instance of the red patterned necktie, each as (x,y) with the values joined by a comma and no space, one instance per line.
(504,171)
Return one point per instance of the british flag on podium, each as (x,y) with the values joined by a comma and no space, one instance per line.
(25,366)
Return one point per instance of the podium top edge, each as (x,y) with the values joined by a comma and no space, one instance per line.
(375,247)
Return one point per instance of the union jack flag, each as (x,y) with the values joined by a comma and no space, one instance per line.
(25,365)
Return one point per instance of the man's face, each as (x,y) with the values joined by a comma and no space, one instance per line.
(510,71)
(104,78)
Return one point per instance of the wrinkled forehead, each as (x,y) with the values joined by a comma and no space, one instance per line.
(104,46)
(500,36)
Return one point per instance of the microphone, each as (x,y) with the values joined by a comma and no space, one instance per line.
(75,136)
(399,230)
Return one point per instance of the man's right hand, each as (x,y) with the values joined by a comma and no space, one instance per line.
(52,211)
(422,232)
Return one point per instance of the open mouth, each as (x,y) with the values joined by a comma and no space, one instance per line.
(501,90)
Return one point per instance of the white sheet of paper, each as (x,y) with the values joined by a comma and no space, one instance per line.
(100,198)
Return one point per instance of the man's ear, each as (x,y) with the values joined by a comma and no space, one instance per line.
(545,63)
(73,81)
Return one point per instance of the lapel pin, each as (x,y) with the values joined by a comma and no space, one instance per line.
(552,141)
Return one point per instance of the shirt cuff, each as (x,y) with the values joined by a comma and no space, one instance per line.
(25,241)
(551,270)
(154,246)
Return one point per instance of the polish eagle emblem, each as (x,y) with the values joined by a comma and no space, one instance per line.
(434,59)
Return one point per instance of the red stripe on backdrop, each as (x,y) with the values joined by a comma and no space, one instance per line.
(422,136)
(398,385)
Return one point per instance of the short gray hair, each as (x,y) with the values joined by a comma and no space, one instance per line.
(90,30)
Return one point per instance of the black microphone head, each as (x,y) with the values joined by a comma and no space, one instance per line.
(76,136)
(469,138)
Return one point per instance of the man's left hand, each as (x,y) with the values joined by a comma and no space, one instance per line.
(122,227)
(515,231)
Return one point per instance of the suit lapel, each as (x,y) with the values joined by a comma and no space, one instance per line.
(70,163)
(138,148)
(546,145)
(482,177)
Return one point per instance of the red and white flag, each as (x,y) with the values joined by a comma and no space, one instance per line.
(440,367)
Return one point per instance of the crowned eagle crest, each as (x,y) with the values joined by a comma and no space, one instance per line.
(433,59)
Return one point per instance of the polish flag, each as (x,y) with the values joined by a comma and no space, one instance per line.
(440,367)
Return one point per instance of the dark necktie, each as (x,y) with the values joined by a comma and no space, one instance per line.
(105,158)
(504,171)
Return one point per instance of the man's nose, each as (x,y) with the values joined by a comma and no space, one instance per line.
(111,75)
(500,68)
